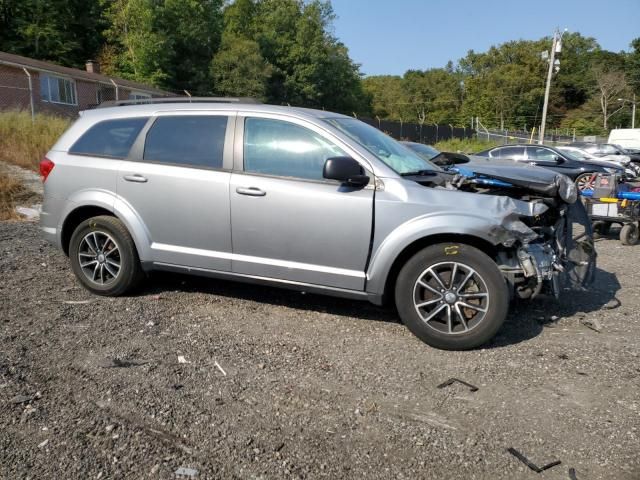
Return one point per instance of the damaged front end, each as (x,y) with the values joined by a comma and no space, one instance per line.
(544,237)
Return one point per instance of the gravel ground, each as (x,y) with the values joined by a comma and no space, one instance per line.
(239,381)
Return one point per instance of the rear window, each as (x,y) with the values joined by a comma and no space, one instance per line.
(110,138)
(189,140)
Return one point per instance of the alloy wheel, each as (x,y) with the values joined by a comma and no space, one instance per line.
(99,257)
(451,297)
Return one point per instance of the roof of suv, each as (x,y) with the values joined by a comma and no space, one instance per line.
(151,108)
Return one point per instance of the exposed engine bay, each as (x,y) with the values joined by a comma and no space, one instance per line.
(545,239)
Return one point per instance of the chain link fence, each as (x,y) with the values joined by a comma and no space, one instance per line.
(422,133)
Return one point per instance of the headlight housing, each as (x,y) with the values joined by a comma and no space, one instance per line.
(612,170)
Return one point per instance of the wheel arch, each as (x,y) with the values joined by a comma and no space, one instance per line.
(89,206)
(75,218)
(415,246)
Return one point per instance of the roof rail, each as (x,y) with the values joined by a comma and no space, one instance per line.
(154,100)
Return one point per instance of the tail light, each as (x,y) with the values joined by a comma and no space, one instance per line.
(46,166)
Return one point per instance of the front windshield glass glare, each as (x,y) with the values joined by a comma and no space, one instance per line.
(393,154)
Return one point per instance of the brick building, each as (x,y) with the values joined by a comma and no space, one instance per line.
(40,86)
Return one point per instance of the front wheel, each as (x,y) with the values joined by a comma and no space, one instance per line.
(104,257)
(452,296)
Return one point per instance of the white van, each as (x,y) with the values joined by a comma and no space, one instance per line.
(625,137)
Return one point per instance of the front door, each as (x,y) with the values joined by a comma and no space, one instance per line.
(287,221)
(179,188)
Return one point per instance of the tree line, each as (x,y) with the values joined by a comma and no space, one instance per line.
(285,52)
(505,87)
(280,51)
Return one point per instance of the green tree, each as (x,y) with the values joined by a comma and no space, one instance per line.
(308,65)
(192,31)
(167,43)
(239,69)
(139,51)
(67,32)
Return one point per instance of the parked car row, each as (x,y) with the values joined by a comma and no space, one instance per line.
(578,161)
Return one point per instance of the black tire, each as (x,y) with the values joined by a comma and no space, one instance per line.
(629,234)
(465,335)
(129,273)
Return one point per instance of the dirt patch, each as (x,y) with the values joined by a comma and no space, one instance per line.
(11,192)
(19,187)
(240,381)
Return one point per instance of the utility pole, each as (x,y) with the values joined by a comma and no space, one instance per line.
(633,109)
(556,47)
(557,42)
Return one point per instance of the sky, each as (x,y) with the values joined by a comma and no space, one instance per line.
(391,37)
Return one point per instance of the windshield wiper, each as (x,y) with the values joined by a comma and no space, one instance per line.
(420,173)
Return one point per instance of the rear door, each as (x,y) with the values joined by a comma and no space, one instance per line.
(287,221)
(177,182)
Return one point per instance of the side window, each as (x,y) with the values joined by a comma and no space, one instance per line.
(539,153)
(110,138)
(275,147)
(189,140)
(512,153)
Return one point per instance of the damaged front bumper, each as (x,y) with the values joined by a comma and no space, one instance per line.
(550,258)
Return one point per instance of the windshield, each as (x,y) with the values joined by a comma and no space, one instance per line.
(393,154)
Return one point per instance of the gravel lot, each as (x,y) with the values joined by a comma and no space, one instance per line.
(239,381)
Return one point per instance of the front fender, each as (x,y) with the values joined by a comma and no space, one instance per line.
(423,227)
(125,213)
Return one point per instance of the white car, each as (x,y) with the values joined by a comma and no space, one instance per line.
(632,170)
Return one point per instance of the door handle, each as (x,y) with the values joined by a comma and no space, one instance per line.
(251,191)
(136,177)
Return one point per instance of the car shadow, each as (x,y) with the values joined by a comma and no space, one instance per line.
(160,282)
(526,319)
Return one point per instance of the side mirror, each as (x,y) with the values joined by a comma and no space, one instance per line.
(345,170)
(559,159)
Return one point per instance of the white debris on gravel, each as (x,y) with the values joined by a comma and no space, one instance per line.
(30,213)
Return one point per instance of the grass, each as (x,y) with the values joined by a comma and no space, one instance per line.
(10,190)
(468,145)
(24,142)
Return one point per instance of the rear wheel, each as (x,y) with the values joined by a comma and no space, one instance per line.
(104,257)
(452,296)
(629,234)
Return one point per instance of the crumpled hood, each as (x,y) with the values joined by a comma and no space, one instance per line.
(536,179)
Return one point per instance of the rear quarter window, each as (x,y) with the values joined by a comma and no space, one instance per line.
(109,138)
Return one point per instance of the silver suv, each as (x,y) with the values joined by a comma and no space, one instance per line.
(309,200)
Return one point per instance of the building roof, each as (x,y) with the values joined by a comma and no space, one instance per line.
(30,63)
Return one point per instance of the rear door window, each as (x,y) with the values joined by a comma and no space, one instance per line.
(187,140)
(110,138)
